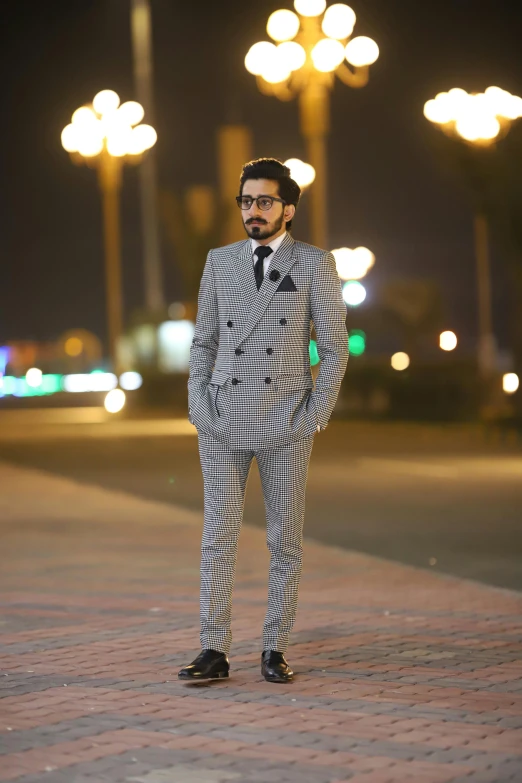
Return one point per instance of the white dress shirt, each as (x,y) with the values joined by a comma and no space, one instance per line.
(274,244)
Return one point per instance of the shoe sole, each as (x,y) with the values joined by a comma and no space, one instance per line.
(278,679)
(221,676)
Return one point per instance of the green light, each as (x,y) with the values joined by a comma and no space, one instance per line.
(20,388)
(357,342)
(314,355)
(51,384)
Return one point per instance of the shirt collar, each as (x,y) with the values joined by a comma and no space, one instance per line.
(274,244)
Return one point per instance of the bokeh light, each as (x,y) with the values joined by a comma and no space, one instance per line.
(131,112)
(276,70)
(310,7)
(361,51)
(33,377)
(114,401)
(258,55)
(130,381)
(303,173)
(282,25)
(400,361)
(73,346)
(510,382)
(354,293)
(105,101)
(353,264)
(357,342)
(313,352)
(448,341)
(327,55)
(293,55)
(339,21)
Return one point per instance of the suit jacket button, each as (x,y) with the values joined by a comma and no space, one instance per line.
(229,324)
(268,380)
(283,322)
(238,351)
(270,351)
(235,381)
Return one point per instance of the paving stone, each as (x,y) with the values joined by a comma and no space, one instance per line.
(429,692)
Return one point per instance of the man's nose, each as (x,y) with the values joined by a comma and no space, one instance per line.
(254,211)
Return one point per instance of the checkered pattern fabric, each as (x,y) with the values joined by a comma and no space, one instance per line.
(251,395)
(250,384)
(283,471)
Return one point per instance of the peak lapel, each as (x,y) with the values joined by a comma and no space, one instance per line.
(282,261)
(244,274)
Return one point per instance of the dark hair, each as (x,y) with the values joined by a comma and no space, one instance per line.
(271,168)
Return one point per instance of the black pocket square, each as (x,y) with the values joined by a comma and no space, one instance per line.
(287,284)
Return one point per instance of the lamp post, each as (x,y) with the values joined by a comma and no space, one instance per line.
(104,135)
(309,51)
(478,119)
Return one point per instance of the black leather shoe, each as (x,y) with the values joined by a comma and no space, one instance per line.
(209,665)
(274,667)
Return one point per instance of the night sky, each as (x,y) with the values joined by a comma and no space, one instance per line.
(388,189)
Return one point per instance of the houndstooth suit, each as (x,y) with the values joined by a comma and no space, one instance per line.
(251,395)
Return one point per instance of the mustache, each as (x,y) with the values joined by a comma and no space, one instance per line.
(256,220)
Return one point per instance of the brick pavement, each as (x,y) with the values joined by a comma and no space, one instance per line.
(403,675)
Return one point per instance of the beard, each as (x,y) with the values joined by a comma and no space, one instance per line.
(264,231)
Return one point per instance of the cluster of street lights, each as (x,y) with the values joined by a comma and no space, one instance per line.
(309,48)
(325,50)
(108,126)
(478,119)
(105,135)
(475,117)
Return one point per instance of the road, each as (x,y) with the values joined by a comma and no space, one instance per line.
(442,498)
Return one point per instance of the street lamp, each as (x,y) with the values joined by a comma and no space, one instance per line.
(477,119)
(104,135)
(309,50)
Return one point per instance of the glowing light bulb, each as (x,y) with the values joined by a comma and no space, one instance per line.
(361,51)
(106,100)
(282,25)
(327,55)
(114,401)
(339,21)
(448,341)
(400,361)
(258,55)
(310,7)
(293,55)
(303,173)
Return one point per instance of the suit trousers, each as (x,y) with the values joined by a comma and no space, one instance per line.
(283,471)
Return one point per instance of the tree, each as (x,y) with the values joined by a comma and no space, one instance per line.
(193,225)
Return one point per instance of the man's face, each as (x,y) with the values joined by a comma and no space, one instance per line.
(260,224)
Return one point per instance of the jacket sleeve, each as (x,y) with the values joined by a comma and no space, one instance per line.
(203,350)
(329,317)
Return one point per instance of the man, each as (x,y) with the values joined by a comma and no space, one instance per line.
(251,395)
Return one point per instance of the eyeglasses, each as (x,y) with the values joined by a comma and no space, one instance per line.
(263,202)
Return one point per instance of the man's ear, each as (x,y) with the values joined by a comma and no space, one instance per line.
(289,212)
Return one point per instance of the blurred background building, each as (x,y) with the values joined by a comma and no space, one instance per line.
(425,226)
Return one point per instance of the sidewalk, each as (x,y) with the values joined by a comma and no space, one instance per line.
(403,675)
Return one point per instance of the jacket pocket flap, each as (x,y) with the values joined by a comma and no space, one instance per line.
(294,382)
(219,378)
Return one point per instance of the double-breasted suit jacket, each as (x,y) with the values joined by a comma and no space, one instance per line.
(250,383)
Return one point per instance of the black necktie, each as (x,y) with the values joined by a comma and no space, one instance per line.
(261,252)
